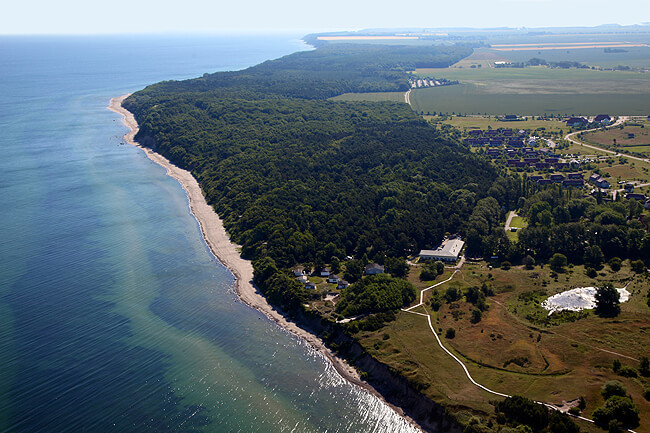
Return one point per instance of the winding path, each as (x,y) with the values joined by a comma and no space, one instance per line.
(621,119)
(463,366)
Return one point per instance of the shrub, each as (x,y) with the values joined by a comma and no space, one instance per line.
(627,371)
(476,315)
(615,264)
(644,366)
(450,334)
(646,394)
(611,388)
(506,265)
(638,266)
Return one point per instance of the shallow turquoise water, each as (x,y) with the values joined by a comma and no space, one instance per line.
(113,314)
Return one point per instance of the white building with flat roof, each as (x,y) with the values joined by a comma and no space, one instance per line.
(449,251)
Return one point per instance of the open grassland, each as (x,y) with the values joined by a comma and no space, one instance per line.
(535,91)
(481,122)
(635,137)
(372,97)
(517,348)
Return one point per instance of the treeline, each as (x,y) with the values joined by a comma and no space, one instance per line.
(319,74)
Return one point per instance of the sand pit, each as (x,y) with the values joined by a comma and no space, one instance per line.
(580,298)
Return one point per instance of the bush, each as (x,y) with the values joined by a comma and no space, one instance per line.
(615,264)
(646,394)
(627,371)
(611,388)
(644,366)
(591,272)
(638,266)
(616,365)
(607,301)
(476,315)
(506,265)
(450,334)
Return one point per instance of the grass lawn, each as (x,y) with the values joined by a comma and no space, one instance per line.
(517,348)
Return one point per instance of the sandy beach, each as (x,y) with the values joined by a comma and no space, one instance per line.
(228,253)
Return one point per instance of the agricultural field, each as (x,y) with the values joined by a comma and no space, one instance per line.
(535,91)
(635,57)
(516,347)
(372,97)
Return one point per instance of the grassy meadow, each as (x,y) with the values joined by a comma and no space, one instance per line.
(517,348)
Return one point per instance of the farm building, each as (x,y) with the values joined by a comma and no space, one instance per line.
(603,119)
(448,252)
(576,121)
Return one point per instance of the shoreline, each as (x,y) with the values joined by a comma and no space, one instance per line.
(227,253)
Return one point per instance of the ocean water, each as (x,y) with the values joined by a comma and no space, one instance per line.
(113,314)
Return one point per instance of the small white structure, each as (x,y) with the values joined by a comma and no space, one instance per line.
(449,251)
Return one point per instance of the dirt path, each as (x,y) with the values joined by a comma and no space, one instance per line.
(407,97)
(462,364)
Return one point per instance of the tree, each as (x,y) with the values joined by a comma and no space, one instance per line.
(618,408)
(450,334)
(476,315)
(644,366)
(607,301)
(594,256)
(397,266)
(558,262)
(529,262)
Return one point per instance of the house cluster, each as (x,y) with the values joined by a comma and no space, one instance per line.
(330,277)
(639,197)
(449,251)
(603,119)
(430,82)
(541,159)
(599,181)
(495,137)
(572,179)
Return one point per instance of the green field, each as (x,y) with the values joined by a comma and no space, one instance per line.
(535,91)
(480,122)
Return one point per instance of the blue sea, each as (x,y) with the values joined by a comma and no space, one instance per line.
(114,316)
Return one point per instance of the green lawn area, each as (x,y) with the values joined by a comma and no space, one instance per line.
(535,91)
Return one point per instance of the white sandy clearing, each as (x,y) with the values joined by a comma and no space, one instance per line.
(580,298)
(228,254)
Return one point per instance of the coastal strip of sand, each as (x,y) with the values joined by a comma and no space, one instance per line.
(227,253)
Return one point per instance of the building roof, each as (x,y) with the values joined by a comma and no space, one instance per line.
(602,117)
(450,249)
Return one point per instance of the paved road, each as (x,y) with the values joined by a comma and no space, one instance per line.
(511,215)
(620,120)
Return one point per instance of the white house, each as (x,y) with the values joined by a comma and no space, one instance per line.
(449,251)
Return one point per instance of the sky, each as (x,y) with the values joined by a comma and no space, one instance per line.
(300,16)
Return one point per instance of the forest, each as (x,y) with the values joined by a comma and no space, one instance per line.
(297,178)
